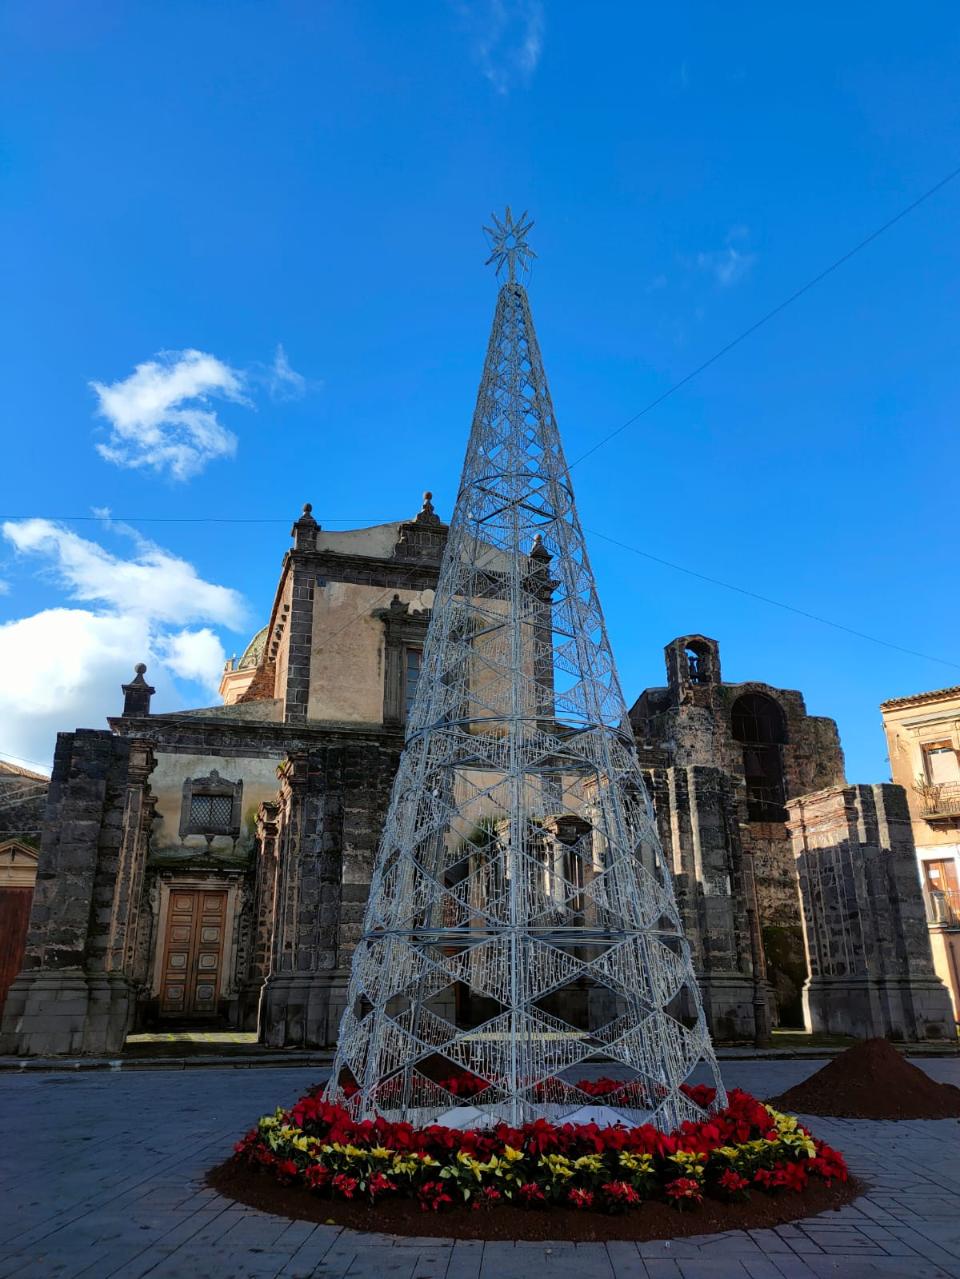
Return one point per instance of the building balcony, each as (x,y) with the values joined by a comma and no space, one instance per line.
(939,800)
(943,907)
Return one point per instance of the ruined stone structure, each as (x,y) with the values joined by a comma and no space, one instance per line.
(871,970)
(724,760)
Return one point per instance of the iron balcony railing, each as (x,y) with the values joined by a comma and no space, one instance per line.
(940,799)
(943,907)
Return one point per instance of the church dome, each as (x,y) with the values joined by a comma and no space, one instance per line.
(254,651)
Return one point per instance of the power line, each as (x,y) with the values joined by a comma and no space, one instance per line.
(765,319)
(766,599)
(20,759)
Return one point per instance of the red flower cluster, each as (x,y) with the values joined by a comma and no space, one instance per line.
(828,1164)
(619,1196)
(684,1192)
(731,1183)
(785,1176)
(579,1198)
(433,1197)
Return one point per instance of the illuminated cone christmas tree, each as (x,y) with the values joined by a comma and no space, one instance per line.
(521,924)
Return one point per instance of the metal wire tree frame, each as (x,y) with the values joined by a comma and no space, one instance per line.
(521,923)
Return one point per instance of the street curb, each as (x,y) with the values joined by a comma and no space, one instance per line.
(301,1061)
(31,1065)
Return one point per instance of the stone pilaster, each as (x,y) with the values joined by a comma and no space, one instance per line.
(296,995)
(696,811)
(264,906)
(868,951)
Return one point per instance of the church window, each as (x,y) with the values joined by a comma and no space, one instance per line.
(211,812)
(211,806)
(411,678)
(757,722)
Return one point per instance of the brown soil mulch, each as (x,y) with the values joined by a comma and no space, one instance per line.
(403,1216)
(872,1080)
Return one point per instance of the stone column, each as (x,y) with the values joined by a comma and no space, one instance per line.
(864,926)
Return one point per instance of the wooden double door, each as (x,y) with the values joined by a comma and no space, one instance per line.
(193,945)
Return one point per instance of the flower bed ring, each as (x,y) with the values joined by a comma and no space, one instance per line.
(744,1152)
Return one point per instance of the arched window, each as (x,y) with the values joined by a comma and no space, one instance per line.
(757,722)
(699,662)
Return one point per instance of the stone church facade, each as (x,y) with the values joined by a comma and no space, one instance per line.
(210,867)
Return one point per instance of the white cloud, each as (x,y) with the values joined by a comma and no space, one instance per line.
(728,265)
(283,382)
(154,585)
(160,416)
(195,655)
(506,37)
(62,667)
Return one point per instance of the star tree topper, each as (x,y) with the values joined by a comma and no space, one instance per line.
(508,243)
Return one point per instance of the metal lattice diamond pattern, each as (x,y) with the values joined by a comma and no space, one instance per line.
(521,921)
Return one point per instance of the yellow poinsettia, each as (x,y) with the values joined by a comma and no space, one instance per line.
(690,1163)
(558,1166)
(635,1163)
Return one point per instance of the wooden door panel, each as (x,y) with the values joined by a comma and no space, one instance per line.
(14,917)
(193,953)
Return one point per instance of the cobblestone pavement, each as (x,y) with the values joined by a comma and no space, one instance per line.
(101,1176)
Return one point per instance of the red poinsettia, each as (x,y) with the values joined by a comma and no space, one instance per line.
(578,1198)
(618,1196)
(379,1185)
(433,1197)
(317,1176)
(684,1192)
(828,1164)
(733,1185)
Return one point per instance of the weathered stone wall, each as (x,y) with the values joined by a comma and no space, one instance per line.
(871,970)
(74,993)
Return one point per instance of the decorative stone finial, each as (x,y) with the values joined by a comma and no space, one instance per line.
(304,531)
(426,514)
(538,551)
(137,694)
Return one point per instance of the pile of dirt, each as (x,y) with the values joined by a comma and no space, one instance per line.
(652,1221)
(872,1081)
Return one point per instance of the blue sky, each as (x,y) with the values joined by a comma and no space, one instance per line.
(296,190)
